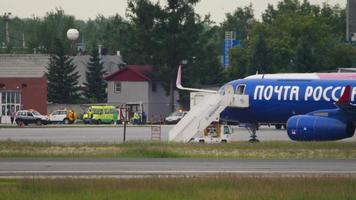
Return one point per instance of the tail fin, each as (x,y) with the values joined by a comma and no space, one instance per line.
(179,84)
(346,96)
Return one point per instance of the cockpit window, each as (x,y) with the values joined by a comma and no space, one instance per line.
(240,89)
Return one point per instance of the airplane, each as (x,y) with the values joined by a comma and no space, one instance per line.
(314,106)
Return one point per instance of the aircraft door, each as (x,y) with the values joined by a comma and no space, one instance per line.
(240,100)
(229,90)
(240,90)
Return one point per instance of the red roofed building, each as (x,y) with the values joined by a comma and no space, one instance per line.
(23,93)
(22,84)
(136,87)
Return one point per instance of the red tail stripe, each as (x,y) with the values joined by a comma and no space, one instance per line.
(346,96)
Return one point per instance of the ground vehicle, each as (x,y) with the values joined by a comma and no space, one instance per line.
(100,114)
(62,116)
(175,117)
(25,117)
(215,133)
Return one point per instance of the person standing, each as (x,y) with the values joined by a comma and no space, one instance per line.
(144,117)
(12,115)
(136,118)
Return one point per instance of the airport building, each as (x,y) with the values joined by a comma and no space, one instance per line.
(24,86)
(136,88)
(23,93)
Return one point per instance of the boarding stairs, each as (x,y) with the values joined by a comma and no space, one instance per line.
(205,112)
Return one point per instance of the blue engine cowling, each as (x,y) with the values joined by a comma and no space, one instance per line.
(317,128)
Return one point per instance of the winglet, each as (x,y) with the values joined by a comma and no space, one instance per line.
(179,84)
(346,96)
(179,78)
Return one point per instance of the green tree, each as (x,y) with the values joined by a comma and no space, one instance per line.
(346,55)
(143,39)
(166,36)
(294,36)
(116,34)
(260,56)
(240,62)
(95,85)
(53,27)
(240,21)
(62,76)
(32,33)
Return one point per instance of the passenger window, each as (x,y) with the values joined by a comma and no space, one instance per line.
(240,89)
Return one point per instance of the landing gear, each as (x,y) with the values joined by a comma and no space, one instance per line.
(252,128)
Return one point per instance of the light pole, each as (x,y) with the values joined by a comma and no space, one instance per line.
(6,19)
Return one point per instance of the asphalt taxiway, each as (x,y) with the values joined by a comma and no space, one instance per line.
(114,134)
(63,167)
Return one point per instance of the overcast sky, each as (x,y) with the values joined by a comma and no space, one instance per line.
(84,9)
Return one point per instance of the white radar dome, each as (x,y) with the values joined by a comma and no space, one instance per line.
(72,34)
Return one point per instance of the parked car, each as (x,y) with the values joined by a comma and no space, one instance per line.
(62,116)
(25,117)
(175,117)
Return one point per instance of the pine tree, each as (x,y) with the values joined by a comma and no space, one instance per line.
(62,76)
(95,85)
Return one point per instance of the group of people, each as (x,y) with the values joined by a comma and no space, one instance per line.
(11,113)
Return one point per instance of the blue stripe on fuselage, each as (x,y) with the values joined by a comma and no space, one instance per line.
(274,101)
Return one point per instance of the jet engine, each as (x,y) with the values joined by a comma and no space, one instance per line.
(318,128)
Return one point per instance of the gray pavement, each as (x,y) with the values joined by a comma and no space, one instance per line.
(18,167)
(114,134)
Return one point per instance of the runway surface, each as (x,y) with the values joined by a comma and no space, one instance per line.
(17,167)
(114,134)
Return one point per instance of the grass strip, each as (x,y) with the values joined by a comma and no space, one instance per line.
(263,150)
(181,188)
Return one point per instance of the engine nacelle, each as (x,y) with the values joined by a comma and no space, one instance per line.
(317,128)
